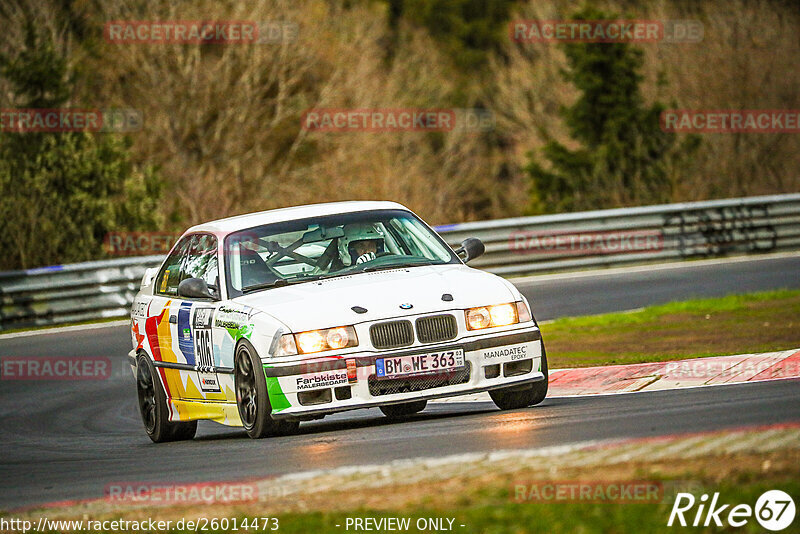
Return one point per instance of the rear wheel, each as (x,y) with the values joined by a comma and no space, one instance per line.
(153,406)
(514,398)
(252,398)
(403,410)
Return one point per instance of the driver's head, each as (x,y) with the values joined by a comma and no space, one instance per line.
(361,238)
(365,246)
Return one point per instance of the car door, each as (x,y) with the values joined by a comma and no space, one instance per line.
(195,321)
(161,320)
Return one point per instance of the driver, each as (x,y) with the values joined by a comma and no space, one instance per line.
(361,242)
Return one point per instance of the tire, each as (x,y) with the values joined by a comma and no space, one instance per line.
(395,411)
(153,406)
(252,398)
(514,398)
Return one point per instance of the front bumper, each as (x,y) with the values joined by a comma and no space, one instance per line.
(318,387)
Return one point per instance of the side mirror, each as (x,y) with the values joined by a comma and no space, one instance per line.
(471,248)
(195,288)
(149,274)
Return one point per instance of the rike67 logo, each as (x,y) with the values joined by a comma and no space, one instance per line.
(774,510)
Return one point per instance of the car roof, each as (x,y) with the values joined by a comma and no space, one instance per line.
(250,220)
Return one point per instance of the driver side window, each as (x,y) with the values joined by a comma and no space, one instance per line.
(201,261)
(172,272)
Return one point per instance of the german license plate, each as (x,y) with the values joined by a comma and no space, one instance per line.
(446,360)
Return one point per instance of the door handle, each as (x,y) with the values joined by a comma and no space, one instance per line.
(173,319)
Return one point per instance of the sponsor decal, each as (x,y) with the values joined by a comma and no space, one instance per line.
(222,323)
(229,317)
(209,382)
(202,317)
(519,352)
(139,309)
(321,380)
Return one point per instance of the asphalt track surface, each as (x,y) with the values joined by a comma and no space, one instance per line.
(64,440)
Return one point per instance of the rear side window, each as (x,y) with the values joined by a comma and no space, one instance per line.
(172,272)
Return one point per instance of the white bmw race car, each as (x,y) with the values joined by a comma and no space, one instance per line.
(269,319)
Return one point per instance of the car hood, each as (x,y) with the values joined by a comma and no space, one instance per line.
(327,303)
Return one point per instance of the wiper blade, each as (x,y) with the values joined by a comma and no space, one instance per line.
(280,282)
(374,268)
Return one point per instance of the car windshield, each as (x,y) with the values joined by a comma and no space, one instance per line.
(304,250)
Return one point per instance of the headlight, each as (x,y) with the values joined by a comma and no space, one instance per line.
(312,341)
(488,316)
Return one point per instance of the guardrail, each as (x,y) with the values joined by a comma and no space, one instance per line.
(524,245)
(593,239)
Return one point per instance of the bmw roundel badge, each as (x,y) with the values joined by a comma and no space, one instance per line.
(406,306)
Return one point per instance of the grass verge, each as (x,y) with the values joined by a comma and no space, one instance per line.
(737,324)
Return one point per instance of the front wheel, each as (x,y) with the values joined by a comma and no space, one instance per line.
(403,410)
(517,397)
(153,406)
(252,398)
